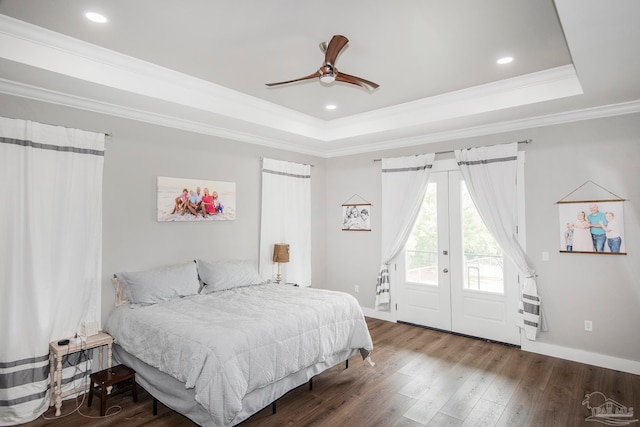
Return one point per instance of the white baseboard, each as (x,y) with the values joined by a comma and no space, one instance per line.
(575,355)
(381,315)
(582,356)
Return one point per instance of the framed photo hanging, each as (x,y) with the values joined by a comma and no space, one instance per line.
(356,214)
(182,199)
(595,227)
(356,217)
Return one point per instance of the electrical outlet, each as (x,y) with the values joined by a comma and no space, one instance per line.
(357,288)
(588,325)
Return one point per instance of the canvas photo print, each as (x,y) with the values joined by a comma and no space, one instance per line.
(592,227)
(183,199)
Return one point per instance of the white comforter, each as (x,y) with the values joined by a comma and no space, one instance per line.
(227,344)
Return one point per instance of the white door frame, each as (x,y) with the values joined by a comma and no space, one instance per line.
(461,297)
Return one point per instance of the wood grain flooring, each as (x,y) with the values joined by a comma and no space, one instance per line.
(422,377)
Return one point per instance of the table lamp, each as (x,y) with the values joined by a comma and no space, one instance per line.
(280,255)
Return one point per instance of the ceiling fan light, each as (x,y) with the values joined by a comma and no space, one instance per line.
(328,78)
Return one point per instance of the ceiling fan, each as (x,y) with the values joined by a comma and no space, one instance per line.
(328,73)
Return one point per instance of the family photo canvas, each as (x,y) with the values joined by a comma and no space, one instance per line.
(592,227)
(183,199)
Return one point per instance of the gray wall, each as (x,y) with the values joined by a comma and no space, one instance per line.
(136,154)
(574,287)
(134,240)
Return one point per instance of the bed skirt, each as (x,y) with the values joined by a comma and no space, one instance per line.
(173,394)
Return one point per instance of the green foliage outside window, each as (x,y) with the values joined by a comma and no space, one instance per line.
(477,239)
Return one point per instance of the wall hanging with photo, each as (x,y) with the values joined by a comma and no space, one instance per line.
(592,226)
(356,214)
(183,199)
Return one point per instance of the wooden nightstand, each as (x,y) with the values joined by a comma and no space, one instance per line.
(56,352)
(122,377)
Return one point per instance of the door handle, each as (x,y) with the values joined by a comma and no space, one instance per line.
(446,270)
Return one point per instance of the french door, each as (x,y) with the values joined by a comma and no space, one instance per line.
(452,274)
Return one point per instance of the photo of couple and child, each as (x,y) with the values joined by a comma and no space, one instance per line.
(356,217)
(596,227)
(189,200)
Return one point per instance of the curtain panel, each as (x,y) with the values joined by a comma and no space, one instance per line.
(490,174)
(50,253)
(286,218)
(404,183)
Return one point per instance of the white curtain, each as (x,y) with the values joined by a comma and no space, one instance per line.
(404,182)
(50,253)
(286,218)
(490,175)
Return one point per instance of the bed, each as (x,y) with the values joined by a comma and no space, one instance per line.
(236,344)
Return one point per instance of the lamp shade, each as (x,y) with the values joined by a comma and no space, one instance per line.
(280,252)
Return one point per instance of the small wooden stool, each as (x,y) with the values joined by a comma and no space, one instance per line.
(120,376)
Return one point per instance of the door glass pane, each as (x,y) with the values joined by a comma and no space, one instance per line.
(422,246)
(483,266)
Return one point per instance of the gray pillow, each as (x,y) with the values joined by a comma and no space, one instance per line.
(160,284)
(221,275)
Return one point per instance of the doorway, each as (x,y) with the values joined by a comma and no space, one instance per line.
(452,274)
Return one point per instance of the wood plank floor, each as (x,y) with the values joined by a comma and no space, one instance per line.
(421,378)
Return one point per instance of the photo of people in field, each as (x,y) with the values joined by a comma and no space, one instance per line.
(182,199)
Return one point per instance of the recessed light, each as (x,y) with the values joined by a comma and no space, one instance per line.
(96,17)
(505,60)
(330,106)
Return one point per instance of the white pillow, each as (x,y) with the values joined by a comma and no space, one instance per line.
(221,275)
(160,284)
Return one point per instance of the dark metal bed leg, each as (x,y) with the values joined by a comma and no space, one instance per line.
(273,407)
(347,364)
(310,383)
(155,406)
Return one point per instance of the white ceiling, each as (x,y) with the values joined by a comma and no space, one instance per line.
(202,66)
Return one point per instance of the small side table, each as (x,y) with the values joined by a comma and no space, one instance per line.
(122,377)
(56,352)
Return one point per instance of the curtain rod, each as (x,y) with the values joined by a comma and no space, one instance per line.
(107,134)
(305,164)
(525,141)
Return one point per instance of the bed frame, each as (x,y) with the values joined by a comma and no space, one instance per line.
(173,394)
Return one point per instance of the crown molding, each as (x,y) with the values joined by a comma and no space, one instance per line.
(72,101)
(48,50)
(605,111)
(63,99)
(44,49)
(555,83)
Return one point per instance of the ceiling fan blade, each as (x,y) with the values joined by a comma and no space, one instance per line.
(336,44)
(346,78)
(310,76)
